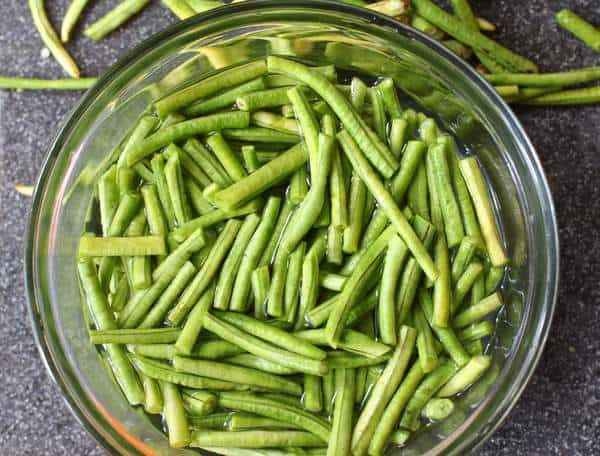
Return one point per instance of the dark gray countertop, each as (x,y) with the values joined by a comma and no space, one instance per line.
(558,412)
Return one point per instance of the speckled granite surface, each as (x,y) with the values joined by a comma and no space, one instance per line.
(558,412)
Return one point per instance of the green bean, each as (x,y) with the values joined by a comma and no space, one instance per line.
(307,122)
(269,98)
(272,334)
(261,282)
(312,398)
(477,311)
(425,391)
(213,440)
(282,398)
(464,52)
(390,98)
(223,99)
(365,305)
(385,163)
(382,391)
(465,283)
(231,266)
(70,18)
(175,417)
(278,80)
(181,254)
(120,295)
(476,331)
(419,23)
(138,336)
(252,253)
(273,121)
(437,409)
(282,221)
(19,83)
(103,320)
(448,338)
(493,279)
(393,410)
(358,93)
(292,283)
(455,28)
(51,39)
(417,197)
(236,374)
(300,223)
(474,348)
(398,135)
(261,135)
(335,243)
(341,428)
(328,389)
(197,402)
(153,399)
(156,219)
(507,90)
(168,297)
(164,372)
(351,341)
(463,257)
(361,386)
(478,290)
(121,246)
(349,294)
(466,376)
(262,179)
(250,157)
(212,421)
(244,421)
(343,359)
(197,200)
(298,186)
(248,360)
(186,129)
(208,349)
(114,18)
(356,210)
(158,169)
(309,288)
(442,292)
(526,93)
(108,197)
(332,281)
(206,273)
(207,162)
(483,207)
(126,210)
(579,27)
(379,118)
(386,311)
(277,410)
(425,342)
(209,86)
(388,205)
(437,158)
(179,8)
(228,159)
(193,325)
(262,349)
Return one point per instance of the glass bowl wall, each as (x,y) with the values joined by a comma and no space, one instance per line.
(356,40)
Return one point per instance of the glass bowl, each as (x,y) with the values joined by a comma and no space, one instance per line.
(434,80)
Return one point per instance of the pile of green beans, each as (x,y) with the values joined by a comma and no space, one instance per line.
(214,286)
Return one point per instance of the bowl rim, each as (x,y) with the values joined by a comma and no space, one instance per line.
(376,18)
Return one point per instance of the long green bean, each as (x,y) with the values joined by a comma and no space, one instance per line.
(466,376)
(477,311)
(275,409)
(382,391)
(186,129)
(114,18)
(209,86)
(223,99)
(7,82)
(193,325)
(175,417)
(236,374)
(388,205)
(252,439)
(206,273)
(579,27)
(259,348)
(51,39)
(341,428)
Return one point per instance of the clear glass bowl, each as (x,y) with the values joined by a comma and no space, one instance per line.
(319,32)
